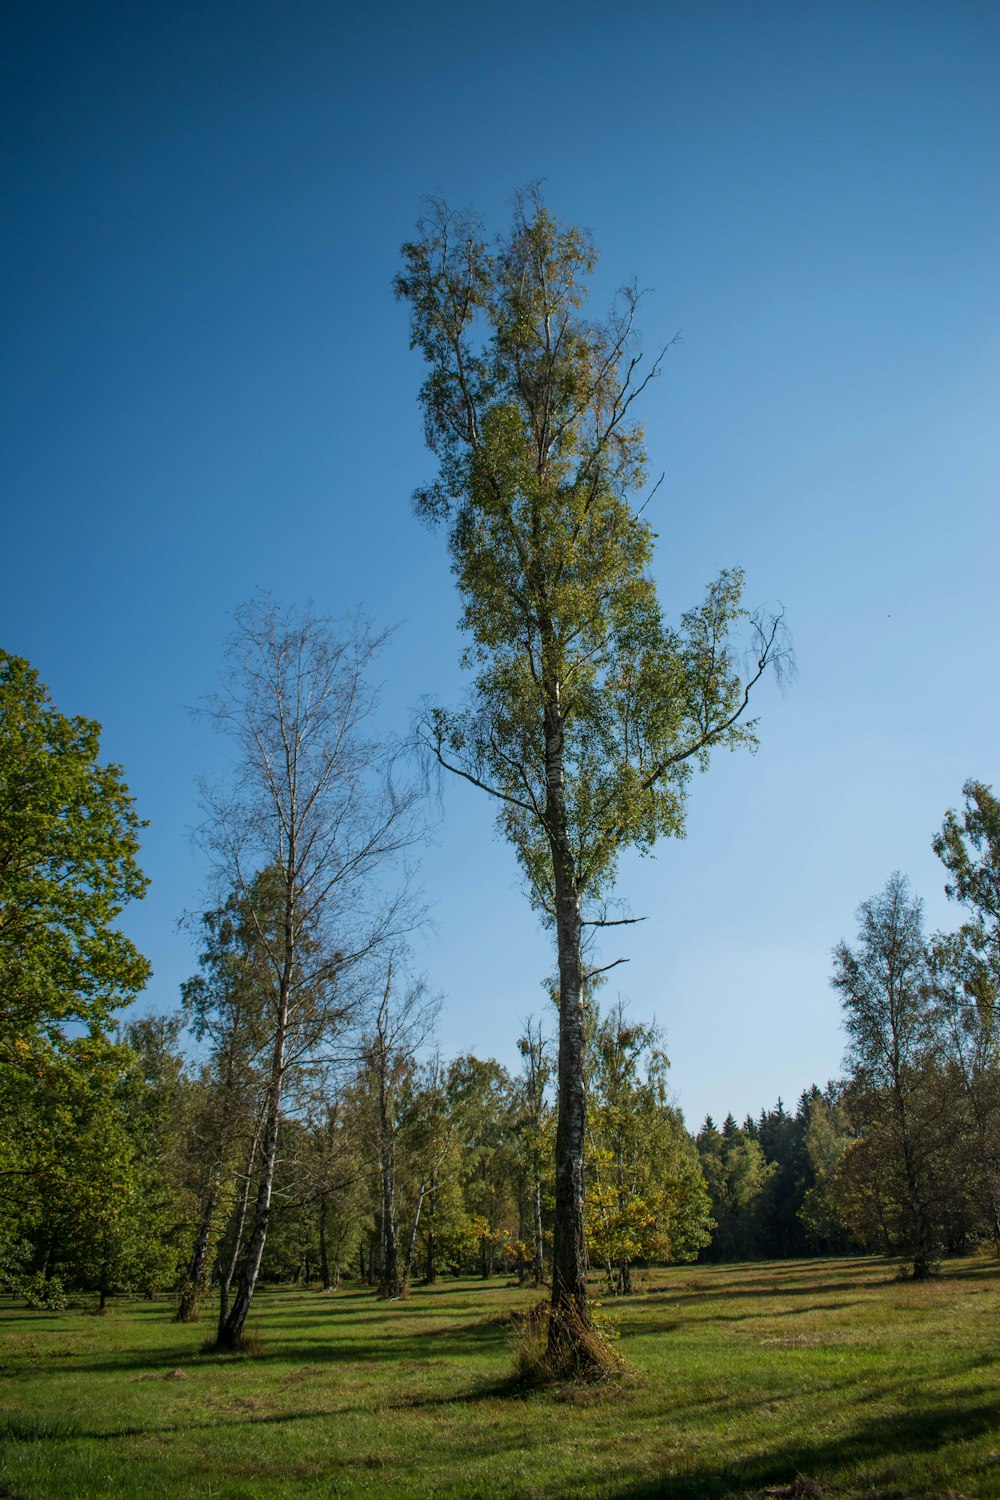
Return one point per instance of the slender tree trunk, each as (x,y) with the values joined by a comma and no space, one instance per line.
(624,1268)
(390,1281)
(431,1274)
(918,1214)
(237,1222)
(569,1255)
(324,1254)
(232,1329)
(522,1233)
(921,1233)
(194,1281)
(569,1248)
(411,1247)
(539,1242)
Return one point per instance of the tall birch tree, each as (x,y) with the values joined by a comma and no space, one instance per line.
(587,713)
(301,830)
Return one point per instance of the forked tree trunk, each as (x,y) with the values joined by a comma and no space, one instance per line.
(238,1220)
(231,1329)
(194,1281)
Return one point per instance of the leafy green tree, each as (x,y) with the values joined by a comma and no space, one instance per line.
(485,1100)
(301,830)
(885,993)
(331,1186)
(401,1024)
(535,1136)
(964,994)
(827,1137)
(969,847)
(587,712)
(965,970)
(646,1194)
(69,837)
(98,1215)
(738,1174)
(69,840)
(227,1007)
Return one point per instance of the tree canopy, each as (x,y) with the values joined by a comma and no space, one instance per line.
(587,711)
(69,840)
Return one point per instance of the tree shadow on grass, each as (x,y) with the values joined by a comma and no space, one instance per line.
(880,1440)
(438,1344)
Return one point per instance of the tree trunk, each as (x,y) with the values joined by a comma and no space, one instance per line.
(921,1227)
(624,1269)
(231,1329)
(921,1233)
(539,1275)
(390,1281)
(569,1248)
(324,1254)
(431,1274)
(569,1254)
(411,1247)
(194,1281)
(238,1220)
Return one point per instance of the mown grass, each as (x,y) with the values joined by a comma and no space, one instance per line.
(740,1379)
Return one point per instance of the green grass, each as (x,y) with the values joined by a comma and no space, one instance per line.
(739,1380)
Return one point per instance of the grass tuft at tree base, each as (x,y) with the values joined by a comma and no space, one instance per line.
(552,1346)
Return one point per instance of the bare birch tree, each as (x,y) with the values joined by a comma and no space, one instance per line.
(302,830)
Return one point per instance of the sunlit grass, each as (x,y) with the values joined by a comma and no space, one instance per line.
(739,1379)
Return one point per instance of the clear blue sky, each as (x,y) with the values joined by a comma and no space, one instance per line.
(207,389)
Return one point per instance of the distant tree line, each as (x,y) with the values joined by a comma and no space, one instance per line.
(294,1119)
(902,1156)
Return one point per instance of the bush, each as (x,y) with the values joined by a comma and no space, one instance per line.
(43,1293)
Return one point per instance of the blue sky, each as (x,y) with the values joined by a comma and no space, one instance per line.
(206,389)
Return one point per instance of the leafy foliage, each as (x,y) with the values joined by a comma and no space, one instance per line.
(69,837)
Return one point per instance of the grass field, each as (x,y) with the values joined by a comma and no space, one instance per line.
(792,1378)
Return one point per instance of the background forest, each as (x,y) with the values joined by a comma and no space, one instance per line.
(136,1156)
